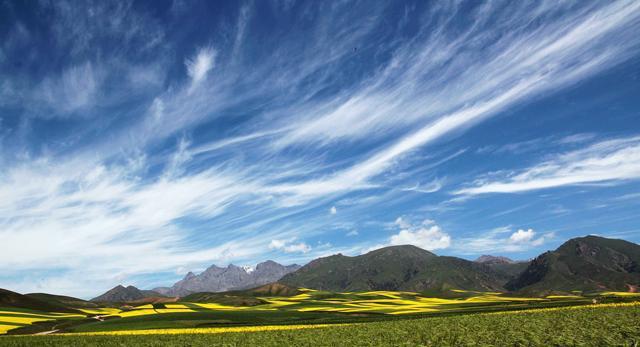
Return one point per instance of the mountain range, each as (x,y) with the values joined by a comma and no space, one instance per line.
(405,268)
(586,264)
(222,279)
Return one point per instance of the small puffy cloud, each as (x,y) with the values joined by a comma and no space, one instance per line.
(522,236)
(427,235)
(333,210)
(502,239)
(526,237)
(288,246)
(353,232)
(199,66)
(277,244)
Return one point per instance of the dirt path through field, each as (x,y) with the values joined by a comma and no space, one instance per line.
(47,332)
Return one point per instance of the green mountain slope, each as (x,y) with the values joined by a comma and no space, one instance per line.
(407,268)
(588,263)
(61,300)
(13,299)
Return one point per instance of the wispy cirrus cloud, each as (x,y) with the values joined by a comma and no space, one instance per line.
(199,66)
(101,220)
(611,161)
(522,66)
(200,146)
(528,60)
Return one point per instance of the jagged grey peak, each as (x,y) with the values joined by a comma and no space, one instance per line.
(221,279)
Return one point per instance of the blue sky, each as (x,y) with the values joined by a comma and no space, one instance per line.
(139,141)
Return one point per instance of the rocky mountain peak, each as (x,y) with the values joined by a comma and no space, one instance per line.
(232,277)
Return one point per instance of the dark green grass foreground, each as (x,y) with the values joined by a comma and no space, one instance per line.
(592,326)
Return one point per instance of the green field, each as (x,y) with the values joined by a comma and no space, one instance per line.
(315,317)
(591,325)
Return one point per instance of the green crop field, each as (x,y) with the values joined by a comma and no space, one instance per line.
(308,307)
(317,317)
(590,325)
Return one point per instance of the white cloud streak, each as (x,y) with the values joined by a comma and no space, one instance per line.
(289,246)
(615,161)
(106,221)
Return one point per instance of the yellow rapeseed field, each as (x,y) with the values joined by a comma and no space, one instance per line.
(317,326)
(384,302)
(15,319)
(208,330)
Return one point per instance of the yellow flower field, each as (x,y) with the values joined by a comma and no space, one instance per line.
(313,301)
(318,326)
(208,330)
(15,319)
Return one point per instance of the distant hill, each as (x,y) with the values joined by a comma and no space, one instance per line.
(407,268)
(273,289)
(490,259)
(587,263)
(62,300)
(249,297)
(505,267)
(219,279)
(13,299)
(125,294)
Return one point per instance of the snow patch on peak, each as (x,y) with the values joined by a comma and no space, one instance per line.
(248,269)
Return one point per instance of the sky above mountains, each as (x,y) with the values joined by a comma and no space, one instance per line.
(143,140)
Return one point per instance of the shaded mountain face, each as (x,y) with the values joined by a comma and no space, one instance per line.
(125,294)
(506,268)
(406,268)
(588,264)
(219,279)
